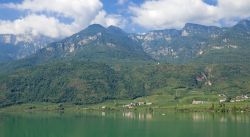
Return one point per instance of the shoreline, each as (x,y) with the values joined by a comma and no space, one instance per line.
(242,107)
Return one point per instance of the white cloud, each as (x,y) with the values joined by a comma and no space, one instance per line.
(229,9)
(36,25)
(44,15)
(157,14)
(121,2)
(83,12)
(108,19)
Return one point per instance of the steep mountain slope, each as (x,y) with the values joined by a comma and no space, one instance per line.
(235,47)
(197,41)
(72,70)
(95,43)
(13,47)
(100,63)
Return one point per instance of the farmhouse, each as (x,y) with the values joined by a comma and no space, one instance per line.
(196,102)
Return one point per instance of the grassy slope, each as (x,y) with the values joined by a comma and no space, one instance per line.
(161,103)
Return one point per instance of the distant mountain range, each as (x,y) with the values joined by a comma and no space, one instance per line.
(194,41)
(14,47)
(177,46)
(98,64)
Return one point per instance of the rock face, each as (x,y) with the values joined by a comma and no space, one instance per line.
(193,41)
(14,47)
(98,43)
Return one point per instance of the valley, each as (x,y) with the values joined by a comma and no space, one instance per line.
(101,64)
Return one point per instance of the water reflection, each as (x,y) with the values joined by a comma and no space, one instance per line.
(239,118)
(125,124)
(221,117)
(103,114)
(198,117)
(139,116)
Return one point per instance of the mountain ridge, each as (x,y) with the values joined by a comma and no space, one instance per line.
(170,45)
(192,41)
(99,64)
(16,47)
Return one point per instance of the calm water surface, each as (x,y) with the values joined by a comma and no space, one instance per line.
(129,124)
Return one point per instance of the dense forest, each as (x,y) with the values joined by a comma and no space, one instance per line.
(85,82)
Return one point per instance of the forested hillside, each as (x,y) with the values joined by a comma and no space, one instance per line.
(99,64)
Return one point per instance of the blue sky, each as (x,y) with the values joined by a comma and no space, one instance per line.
(110,6)
(211,2)
(65,17)
(6,13)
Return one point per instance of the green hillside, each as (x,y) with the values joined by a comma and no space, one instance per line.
(85,82)
(100,64)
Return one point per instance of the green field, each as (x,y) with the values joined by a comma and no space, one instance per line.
(161,101)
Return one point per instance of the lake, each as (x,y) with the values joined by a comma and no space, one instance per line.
(124,124)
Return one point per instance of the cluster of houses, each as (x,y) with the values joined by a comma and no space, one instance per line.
(236,99)
(223,99)
(132,105)
(239,98)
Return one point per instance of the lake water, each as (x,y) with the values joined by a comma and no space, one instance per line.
(128,124)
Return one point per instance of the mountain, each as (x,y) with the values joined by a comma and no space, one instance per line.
(98,64)
(88,67)
(243,26)
(95,43)
(194,42)
(13,47)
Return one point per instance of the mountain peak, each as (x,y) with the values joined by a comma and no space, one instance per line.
(190,26)
(243,26)
(115,29)
(95,27)
(244,23)
(92,29)
(197,28)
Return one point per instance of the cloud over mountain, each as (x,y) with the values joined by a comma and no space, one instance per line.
(44,17)
(158,14)
(61,18)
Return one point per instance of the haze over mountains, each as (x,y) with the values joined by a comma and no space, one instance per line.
(14,47)
(98,63)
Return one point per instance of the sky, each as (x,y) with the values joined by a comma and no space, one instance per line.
(62,18)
